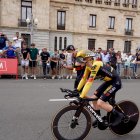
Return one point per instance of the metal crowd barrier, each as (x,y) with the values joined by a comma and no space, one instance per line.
(133,72)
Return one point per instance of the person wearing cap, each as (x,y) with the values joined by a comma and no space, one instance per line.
(105,91)
(80,68)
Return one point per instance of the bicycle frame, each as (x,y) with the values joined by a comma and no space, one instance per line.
(90,109)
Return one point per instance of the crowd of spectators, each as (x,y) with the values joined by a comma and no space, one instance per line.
(56,63)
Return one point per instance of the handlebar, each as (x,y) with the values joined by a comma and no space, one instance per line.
(70,94)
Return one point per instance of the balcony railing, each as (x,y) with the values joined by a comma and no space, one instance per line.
(107,2)
(134,5)
(129,32)
(22,23)
(125,4)
(98,1)
(116,4)
(60,27)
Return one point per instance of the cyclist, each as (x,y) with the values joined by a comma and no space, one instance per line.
(106,90)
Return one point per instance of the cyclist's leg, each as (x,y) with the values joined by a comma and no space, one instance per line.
(99,92)
(101,103)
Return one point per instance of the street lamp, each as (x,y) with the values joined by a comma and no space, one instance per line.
(32,25)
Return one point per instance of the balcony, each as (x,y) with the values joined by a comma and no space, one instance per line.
(125,5)
(134,5)
(116,4)
(60,27)
(98,1)
(22,23)
(129,32)
(107,2)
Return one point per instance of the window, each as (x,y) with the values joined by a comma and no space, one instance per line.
(126,3)
(107,2)
(98,1)
(117,3)
(110,44)
(92,21)
(65,42)
(61,15)
(111,22)
(89,1)
(27,38)
(55,43)
(128,26)
(60,43)
(91,44)
(79,0)
(26,9)
(127,46)
(134,3)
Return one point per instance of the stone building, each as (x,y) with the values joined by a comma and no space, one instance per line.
(87,24)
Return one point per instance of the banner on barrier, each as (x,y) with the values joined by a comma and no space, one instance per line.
(9,66)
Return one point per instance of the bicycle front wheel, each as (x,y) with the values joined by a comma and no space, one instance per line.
(62,128)
(132,116)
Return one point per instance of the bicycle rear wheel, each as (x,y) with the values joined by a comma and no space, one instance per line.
(61,125)
(132,114)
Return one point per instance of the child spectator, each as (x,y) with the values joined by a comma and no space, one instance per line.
(9,51)
(33,60)
(45,58)
(25,60)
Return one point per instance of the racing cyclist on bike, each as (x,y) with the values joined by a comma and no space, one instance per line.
(106,90)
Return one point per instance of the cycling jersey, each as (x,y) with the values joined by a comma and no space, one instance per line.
(98,69)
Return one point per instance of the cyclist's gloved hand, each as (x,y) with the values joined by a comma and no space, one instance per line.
(76,92)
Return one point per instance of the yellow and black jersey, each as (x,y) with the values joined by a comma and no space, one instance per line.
(98,69)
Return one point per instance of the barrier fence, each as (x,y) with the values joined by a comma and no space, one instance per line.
(11,67)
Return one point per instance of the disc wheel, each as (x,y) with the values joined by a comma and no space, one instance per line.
(128,124)
(62,124)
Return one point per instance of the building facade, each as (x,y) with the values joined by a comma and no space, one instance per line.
(87,24)
(13,15)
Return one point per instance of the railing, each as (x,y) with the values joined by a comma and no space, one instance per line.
(22,23)
(129,32)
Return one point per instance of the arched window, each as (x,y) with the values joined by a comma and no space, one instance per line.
(60,43)
(65,42)
(55,43)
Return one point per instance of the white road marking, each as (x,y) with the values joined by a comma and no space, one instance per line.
(58,100)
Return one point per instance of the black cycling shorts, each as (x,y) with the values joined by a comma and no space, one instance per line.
(32,63)
(108,89)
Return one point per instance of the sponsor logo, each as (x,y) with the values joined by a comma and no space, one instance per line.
(3,66)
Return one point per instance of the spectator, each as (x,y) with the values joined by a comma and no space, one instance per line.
(33,60)
(98,54)
(25,60)
(113,58)
(137,62)
(17,43)
(105,57)
(127,63)
(62,63)
(9,51)
(3,39)
(119,62)
(69,61)
(1,55)
(45,58)
(53,62)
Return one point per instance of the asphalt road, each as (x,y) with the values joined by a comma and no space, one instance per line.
(26,112)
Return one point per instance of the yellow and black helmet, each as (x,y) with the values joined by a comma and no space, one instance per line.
(84,54)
